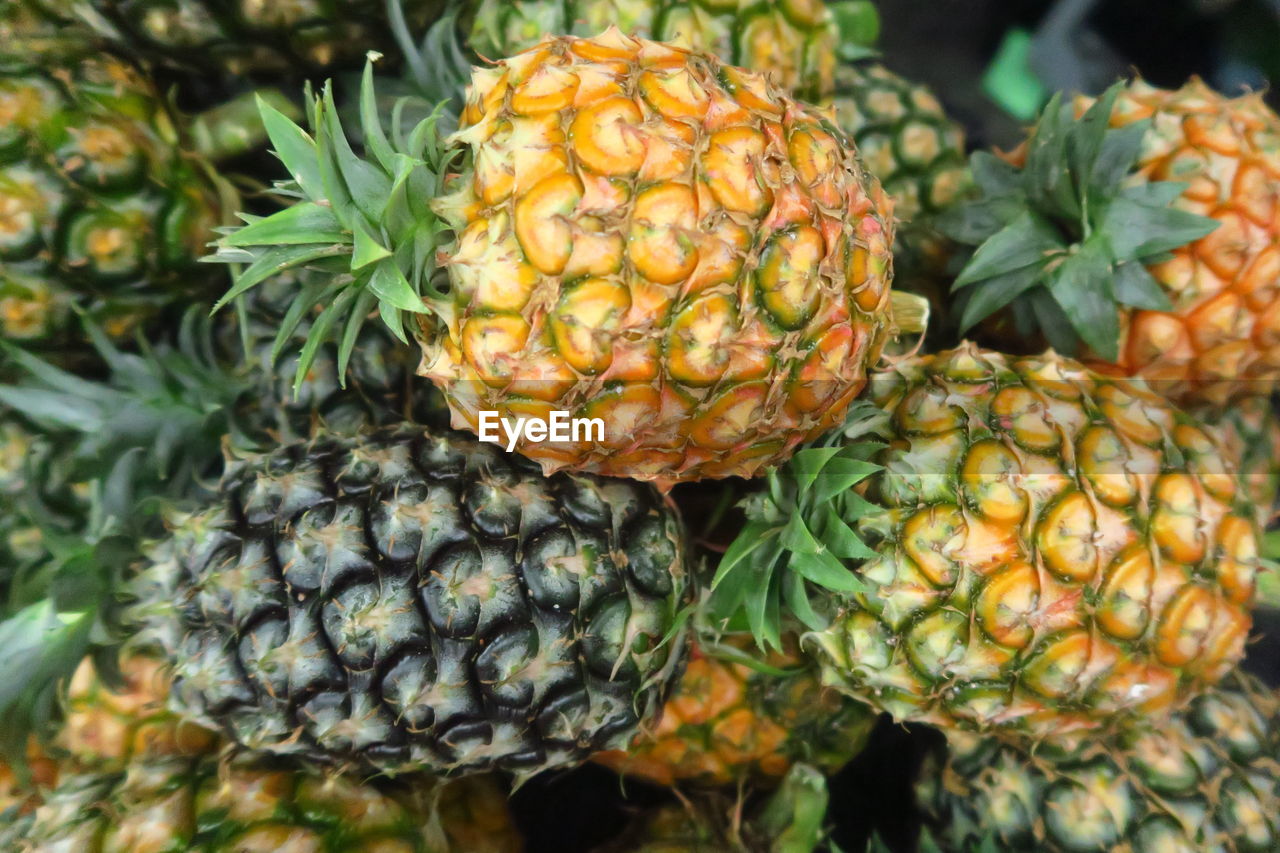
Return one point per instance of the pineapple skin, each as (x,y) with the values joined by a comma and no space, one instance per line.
(409,601)
(1013,590)
(673,246)
(1202,780)
(1221,341)
(261,38)
(794,40)
(904,138)
(1250,432)
(236,806)
(726,722)
(107,210)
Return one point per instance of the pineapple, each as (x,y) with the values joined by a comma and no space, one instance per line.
(1250,433)
(795,40)
(207,805)
(1204,780)
(100,205)
(19,793)
(1160,254)
(1031,547)
(731,719)
(109,727)
(240,37)
(643,236)
(404,600)
(905,139)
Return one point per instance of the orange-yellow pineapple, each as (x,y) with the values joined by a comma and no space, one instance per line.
(1164,255)
(727,722)
(641,235)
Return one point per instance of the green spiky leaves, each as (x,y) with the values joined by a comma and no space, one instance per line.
(1065,241)
(363,219)
(801,534)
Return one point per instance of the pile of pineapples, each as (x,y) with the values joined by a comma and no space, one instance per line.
(892,435)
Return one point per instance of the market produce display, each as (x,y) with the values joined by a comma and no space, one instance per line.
(630,426)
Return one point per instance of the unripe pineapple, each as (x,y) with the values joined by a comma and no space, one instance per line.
(1250,433)
(1161,254)
(212,806)
(240,37)
(1037,548)
(404,600)
(727,722)
(794,40)
(643,236)
(1203,780)
(905,139)
(99,203)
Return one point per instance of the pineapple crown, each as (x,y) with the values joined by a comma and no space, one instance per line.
(147,438)
(798,530)
(1065,239)
(361,219)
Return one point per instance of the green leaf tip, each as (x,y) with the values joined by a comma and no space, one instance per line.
(800,545)
(1062,236)
(361,225)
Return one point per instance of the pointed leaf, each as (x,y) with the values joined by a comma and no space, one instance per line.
(985,298)
(995,176)
(375,139)
(839,475)
(275,261)
(367,183)
(1136,231)
(1135,286)
(294,148)
(367,248)
(390,285)
(825,569)
(754,536)
(319,333)
(1081,285)
(303,222)
(807,464)
(840,538)
(1117,156)
(796,596)
(1087,135)
(1025,241)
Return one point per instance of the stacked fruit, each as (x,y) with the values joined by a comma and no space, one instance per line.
(257,596)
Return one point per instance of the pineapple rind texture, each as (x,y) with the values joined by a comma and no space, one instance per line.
(1052,548)
(1222,339)
(409,601)
(726,722)
(1203,780)
(794,40)
(666,243)
(212,805)
(102,207)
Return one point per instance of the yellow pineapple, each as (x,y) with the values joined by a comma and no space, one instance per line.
(1029,546)
(1163,256)
(727,721)
(641,235)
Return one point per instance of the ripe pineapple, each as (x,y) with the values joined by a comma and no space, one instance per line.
(795,40)
(1037,548)
(643,236)
(109,726)
(99,202)
(240,37)
(1204,780)
(1188,297)
(727,722)
(406,601)
(235,807)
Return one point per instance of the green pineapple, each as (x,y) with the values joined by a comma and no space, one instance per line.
(267,38)
(907,141)
(795,40)
(1203,780)
(213,806)
(434,603)
(102,205)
